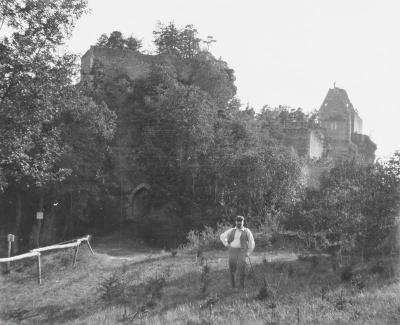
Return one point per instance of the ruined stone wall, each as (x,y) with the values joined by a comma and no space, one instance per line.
(316,147)
(87,63)
(121,66)
(366,148)
(298,139)
(117,62)
(306,142)
(357,123)
(342,150)
(337,129)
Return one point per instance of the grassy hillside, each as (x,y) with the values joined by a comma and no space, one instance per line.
(157,288)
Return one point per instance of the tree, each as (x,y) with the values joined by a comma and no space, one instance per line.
(189,42)
(356,206)
(117,41)
(37,96)
(257,176)
(178,133)
(213,76)
(183,43)
(167,39)
(209,40)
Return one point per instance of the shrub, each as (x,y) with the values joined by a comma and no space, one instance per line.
(206,239)
(205,278)
(347,273)
(355,207)
(111,290)
(265,292)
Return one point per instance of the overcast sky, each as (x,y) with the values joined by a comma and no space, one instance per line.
(286,52)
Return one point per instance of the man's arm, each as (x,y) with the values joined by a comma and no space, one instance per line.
(252,244)
(224,237)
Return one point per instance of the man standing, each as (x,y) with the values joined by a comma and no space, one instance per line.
(240,242)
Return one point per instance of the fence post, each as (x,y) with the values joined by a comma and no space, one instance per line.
(90,247)
(10,239)
(75,255)
(39,219)
(39,269)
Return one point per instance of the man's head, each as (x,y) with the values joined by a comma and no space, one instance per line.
(239,221)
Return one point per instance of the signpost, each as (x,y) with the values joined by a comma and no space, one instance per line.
(39,218)
(10,239)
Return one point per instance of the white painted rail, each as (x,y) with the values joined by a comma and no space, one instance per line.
(19,257)
(37,253)
(61,246)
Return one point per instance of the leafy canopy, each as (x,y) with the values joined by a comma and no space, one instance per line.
(180,42)
(117,41)
(37,94)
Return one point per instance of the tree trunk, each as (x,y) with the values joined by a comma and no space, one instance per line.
(216,190)
(18,220)
(41,203)
(68,219)
(39,221)
(193,180)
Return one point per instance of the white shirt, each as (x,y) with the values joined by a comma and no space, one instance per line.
(236,241)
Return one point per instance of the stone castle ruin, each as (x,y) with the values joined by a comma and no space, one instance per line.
(120,67)
(342,128)
(337,135)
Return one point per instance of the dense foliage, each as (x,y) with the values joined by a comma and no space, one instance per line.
(355,209)
(117,41)
(182,42)
(50,130)
(204,157)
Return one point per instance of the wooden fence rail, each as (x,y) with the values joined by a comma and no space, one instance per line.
(37,253)
(19,257)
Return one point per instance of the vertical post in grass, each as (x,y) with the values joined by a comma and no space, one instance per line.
(298,316)
(39,269)
(90,247)
(75,255)
(39,219)
(10,239)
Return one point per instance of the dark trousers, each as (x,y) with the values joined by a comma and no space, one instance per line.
(237,264)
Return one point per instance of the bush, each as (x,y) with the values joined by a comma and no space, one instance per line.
(355,208)
(206,239)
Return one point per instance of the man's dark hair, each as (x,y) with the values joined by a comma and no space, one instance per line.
(239,218)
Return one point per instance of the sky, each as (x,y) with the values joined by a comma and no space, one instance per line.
(284,52)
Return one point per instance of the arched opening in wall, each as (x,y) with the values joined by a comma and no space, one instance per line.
(138,202)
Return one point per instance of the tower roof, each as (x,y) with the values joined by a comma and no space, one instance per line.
(337,97)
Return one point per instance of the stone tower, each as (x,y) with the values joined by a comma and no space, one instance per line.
(342,128)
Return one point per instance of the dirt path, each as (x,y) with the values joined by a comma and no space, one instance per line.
(126,249)
(115,249)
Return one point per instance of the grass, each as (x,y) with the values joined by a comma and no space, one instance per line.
(305,290)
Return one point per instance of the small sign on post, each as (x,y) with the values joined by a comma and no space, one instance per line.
(39,218)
